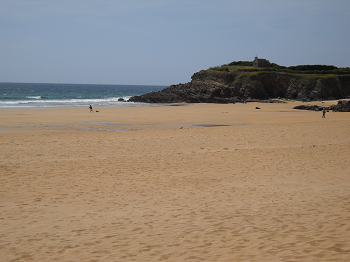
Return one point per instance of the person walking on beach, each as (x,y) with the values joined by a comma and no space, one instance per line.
(324,113)
(90,107)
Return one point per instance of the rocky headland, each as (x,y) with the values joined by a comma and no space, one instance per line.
(230,84)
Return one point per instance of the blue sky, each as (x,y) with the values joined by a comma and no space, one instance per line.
(154,42)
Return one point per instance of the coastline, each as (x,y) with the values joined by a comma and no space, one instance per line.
(212,182)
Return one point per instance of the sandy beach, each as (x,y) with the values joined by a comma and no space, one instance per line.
(192,182)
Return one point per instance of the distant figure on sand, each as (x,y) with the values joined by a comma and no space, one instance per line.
(90,107)
(324,113)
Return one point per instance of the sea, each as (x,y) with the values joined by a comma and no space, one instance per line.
(39,95)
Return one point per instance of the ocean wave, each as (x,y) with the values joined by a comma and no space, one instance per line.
(74,100)
(33,97)
(68,103)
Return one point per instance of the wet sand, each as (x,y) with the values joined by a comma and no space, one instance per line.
(195,182)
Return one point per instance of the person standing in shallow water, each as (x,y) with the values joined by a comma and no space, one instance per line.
(324,113)
(90,107)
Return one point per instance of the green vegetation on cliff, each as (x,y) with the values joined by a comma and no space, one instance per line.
(247,66)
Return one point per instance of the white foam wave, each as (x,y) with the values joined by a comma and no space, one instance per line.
(68,103)
(34,97)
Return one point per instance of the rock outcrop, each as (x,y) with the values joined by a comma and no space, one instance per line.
(342,106)
(212,86)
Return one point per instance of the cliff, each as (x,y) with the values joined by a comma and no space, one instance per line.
(229,86)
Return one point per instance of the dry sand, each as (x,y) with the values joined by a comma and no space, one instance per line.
(233,184)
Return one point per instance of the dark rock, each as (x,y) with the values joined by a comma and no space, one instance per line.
(121,99)
(342,106)
(257,107)
(308,107)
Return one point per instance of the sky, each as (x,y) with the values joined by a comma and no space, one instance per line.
(163,42)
